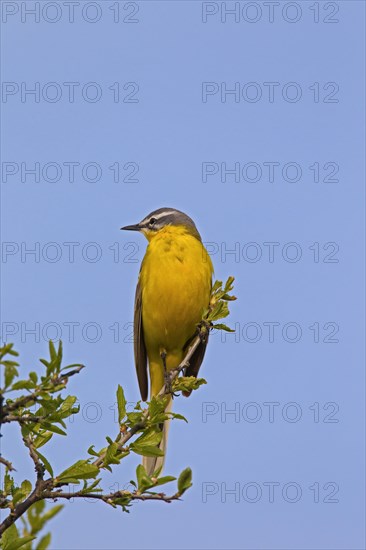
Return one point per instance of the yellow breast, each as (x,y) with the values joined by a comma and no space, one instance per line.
(175,276)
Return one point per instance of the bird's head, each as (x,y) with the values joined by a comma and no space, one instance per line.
(164,219)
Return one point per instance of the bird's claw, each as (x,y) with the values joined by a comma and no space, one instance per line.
(167,379)
(168,384)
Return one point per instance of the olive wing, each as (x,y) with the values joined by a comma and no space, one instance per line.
(196,361)
(139,345)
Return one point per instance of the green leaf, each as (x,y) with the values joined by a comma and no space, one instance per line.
(179,417)
(187,383)
(44,542)
(33,376)
(111,454)
(10,372)
(59,351)
(8,363)
(7,349)
(228,298)
(9,536)
(47,465)
(121,402)
(157,408)
(91,451)
(147,443)
(93,488)
(18,496)
(26,486)
(23,385)
(164,479)
(53,352)
(53,428)
(221,326)
(35,518)
(18,543)
(67,408)
(219,297)
(134,417)
(146,450)
(185,480)
(21,493)
(39,506)
(54,365)
(52,512)
(42,439)
(220,311)
(229,284)
(123,502)
(141,475)
(144,482)
(216,286)
(8,483)
(80,470)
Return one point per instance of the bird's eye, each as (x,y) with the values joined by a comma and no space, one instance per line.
(152,221)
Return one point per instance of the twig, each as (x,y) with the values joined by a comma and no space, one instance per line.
(33,397)
(23,419)
(112,496)
(72,372)
(8,464)
(36,494)
(45,488)
(38,466)
(18,404)
(19,510)
(121,440)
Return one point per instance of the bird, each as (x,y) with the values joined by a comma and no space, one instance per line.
(172,293)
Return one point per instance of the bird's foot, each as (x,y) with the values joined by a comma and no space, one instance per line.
(168,385)
(167,380)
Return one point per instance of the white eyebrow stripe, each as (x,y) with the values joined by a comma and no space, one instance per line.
(165,213)
(160,215)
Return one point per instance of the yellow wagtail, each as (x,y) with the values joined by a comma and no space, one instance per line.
(173,290)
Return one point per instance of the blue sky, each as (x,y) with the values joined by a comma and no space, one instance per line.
(168,98)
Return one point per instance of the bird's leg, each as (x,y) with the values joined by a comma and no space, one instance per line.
(167,381)
(166,374)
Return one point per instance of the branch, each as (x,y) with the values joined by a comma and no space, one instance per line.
(72,372)
(19,510)
(45,488)
(7,464)
(121,440)
(38,466)
(54,381)
(18,404)
(33,397)
(23,419)
(109,498)
(36,494)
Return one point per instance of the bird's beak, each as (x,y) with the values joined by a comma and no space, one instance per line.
(131,227)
